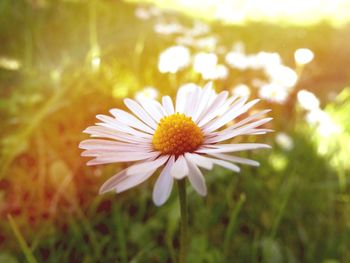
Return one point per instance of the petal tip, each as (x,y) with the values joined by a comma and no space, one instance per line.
(158,202)
(103,190)
(204,193)
(81,145)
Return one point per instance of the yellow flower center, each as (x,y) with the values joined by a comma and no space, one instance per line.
(177,134)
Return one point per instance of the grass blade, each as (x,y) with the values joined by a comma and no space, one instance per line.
(232,223)
(23,244)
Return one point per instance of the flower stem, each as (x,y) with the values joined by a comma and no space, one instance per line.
(184,220)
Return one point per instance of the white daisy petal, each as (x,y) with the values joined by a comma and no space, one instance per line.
(250,118)
(199,160)
(110,152)
(132,181)
(179,169)
(130,120)
(231,114)
(147,166)
(218,105)
(117,149)
(164,184)
(114,124)
(112,182)
(182,96)
(259,131)
(160,108)
(99,144)
(125,130)
(122,157)
(181,99)
(196,178)
(153,109)
(235,159)
(192,101)
(168,105)
(217,102)
(221,148)
(228,134)
(223,112)
(223,163)
(140,113)
(227,165)
(188,105)
(203,101)
(104,132)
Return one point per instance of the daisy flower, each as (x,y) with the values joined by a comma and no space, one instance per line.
(194,133)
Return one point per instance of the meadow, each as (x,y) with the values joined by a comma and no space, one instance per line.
(64,62)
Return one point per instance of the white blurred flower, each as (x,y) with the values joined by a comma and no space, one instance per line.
(252,62)
(185,41)
(204,60)
(187,88)
(198,29)
(263,60)
(303,56)
(266,59)
(237,60)
(316,116)
(205,63)
(257,83)
(142,13)
(329,128)
(173,59)
(284,141)
(238,47)
(147,93)
(208,43)
(308,100)
(274,93)
(282,75)
(241,90)
(168,29)
(218,72)
(154,11)
(326,126)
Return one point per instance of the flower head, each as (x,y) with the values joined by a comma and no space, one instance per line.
(180,138)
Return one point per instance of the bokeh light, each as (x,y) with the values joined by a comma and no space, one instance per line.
(303,56)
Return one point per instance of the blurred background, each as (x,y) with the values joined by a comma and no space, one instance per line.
(64,61)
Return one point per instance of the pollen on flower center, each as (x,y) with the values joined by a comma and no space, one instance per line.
(177,134)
